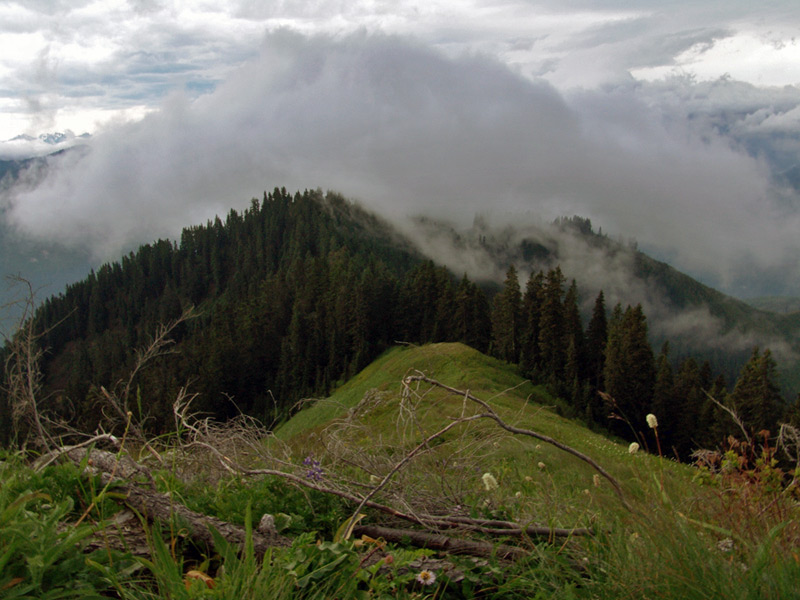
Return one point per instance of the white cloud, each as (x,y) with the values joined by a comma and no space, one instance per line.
(582,120)
(406,129)
(743,56)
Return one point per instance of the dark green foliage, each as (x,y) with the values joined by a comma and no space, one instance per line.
(629,371)
(756,397)
(300,292)
(295,294)
(471,319)
(531,310)
(553,338)
(507,319)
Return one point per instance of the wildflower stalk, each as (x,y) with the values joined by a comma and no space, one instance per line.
(652,422)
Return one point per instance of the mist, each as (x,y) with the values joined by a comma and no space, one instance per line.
(486,249)
(406,130)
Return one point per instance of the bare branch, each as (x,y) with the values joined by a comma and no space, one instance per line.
(491,414)
(733,415)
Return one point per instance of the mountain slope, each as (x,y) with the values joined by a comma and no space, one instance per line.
(696,319)
(370,413)
(299,292)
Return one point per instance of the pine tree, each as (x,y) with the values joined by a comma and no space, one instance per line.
(531,313)
(630,367)
(506,319)
(552,327)
(664,404)
(756,397)
(596,340)
(574,336)
(690,400)
(471,319)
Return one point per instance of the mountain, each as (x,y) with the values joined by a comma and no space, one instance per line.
(776,304)
(23,148)
(53,139)
(696,319)
(300,291)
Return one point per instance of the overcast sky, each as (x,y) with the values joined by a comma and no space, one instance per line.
(674,122)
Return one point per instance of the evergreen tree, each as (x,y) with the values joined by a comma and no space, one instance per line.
(596,340)
(471,319)
(664,404)
(506,319)
(552,328)
(630,367)
(574,335)
(531,313)
(690,400)
(756,397)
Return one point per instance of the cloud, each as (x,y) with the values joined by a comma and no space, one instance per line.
(406,129)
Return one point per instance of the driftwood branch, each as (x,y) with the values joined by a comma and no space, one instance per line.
(489,527)
(733,415)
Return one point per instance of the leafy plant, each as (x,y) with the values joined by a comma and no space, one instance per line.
(42,554)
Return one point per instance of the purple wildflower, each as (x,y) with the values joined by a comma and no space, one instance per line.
(315,471)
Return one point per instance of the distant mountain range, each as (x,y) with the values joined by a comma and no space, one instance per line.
(778,304)
(25,147)
(52,139)
(696,319)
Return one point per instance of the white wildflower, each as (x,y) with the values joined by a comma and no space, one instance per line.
(426,577)
(489,482)
(652,422)
(725,545)
(634,447)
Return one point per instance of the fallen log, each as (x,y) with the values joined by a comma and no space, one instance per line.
(438,541)
(156,506)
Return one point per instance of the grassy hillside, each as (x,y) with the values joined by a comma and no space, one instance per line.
(675,542)
(455,363)
(730,532)
(374,400)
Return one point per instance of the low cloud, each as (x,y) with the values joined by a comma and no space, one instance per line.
(406,130)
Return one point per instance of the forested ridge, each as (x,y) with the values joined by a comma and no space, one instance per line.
(301,291)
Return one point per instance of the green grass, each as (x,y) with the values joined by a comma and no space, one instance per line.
(454,363)
(514,458)
(729,535)
(667,547)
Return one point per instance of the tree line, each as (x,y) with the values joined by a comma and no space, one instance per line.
(541,330)
(300,291)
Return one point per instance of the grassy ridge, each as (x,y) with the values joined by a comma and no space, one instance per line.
(516,459)
(691,534)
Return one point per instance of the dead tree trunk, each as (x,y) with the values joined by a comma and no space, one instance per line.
(155,506)
(437,541)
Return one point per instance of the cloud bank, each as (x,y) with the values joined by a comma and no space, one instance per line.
(409,129)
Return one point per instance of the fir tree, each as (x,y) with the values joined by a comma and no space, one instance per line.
(531,313)
(506,319)
(756,397)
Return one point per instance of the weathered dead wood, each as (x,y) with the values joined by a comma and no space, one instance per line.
(496,527)
(155,506)
(438,541)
